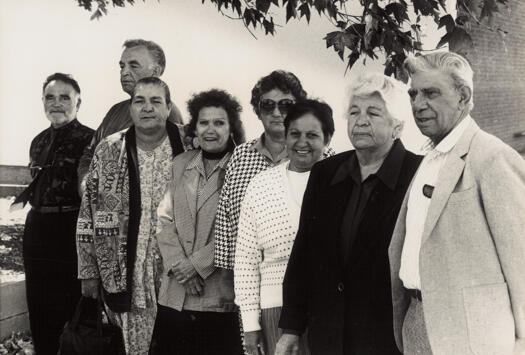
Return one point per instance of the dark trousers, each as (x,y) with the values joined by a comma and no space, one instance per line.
(52,287)
(196,333)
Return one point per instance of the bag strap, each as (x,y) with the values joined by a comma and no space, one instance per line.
(100,309)
(78,312)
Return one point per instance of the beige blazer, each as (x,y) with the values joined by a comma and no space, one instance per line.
(187,230)
(472,258)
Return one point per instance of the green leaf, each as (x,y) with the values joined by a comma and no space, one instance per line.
(291,10)
(236,6)
(398,10)
(352,58)
(248,17)
(262,5)
(331,9)
(448,22)
(444,40)
(350,40)
(425,7)
(320,5)
(357,29)
(330,38)
(304,10)
(269,27)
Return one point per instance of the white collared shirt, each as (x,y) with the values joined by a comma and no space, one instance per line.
(418,203)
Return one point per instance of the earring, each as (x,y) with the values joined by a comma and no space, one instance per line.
(195,143)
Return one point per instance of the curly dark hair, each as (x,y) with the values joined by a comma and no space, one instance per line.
(320,110)
(285,81)
(216,98)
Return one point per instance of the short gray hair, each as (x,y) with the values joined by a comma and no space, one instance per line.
(452,63)
(393,92)
(153,48)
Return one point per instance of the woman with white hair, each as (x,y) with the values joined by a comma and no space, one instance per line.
(337,283)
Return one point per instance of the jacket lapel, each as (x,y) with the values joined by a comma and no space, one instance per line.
(448,179)
(191,177)
(211,187)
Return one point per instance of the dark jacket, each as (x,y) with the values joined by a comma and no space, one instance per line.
(346,307)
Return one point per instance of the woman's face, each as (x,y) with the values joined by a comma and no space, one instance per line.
(273,107)
(370,126)
(305,142)
(213,129)
(149,110)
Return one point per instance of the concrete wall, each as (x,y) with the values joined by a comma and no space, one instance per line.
(498,61)
(13,180)
(13,308)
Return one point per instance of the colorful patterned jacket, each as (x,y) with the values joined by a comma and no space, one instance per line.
(107,226)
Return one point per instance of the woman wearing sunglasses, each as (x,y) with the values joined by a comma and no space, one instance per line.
(271,98)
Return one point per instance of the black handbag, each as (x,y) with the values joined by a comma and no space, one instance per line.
(84,336)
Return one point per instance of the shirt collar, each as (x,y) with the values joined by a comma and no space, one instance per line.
(259,146)
(197,163)
(71,124)
(388,173)
(450,139)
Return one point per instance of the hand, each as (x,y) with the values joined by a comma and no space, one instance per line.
(253,342)
(195,286)
(288,344)
(182,270)
(90,288)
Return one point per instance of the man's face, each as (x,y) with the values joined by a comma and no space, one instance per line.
(149,110)
(61,103)
(136,63)
(435,102)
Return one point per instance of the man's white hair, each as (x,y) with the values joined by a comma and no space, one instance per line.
(393,92)
(451,63)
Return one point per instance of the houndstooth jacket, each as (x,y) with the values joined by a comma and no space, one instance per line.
(245,163)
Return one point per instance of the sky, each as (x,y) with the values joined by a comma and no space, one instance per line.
(203,49)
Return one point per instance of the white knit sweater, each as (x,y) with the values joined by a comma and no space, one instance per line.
(268,224)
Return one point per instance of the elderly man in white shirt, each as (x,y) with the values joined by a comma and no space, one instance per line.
(457,254)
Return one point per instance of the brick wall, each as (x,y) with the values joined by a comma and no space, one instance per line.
(499,75)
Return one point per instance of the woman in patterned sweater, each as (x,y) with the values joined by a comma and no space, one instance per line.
(268,223)
(271,98)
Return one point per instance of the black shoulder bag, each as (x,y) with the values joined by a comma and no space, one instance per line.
(84,336)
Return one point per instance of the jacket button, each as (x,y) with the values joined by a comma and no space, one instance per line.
(340,287)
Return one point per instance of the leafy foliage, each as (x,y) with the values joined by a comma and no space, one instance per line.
(381,26)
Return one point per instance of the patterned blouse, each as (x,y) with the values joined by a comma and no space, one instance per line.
(155,173)
(246,162)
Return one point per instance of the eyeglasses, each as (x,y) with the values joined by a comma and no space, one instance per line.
(267,106)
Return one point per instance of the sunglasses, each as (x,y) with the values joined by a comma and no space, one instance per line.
(267,106)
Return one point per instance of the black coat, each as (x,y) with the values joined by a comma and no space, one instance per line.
(346,308)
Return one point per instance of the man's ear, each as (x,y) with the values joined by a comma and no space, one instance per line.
(78,102)
(170,106)
(465,94)
(156,70)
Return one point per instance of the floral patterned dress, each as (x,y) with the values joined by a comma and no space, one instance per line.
(155,169)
